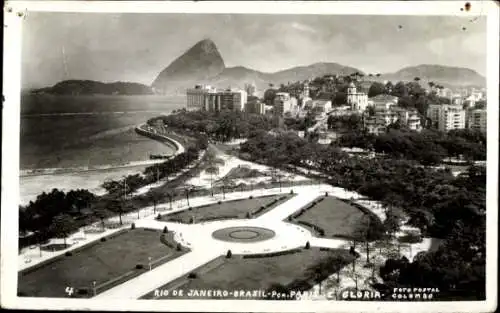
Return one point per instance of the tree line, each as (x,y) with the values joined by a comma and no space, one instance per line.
(220,126)
(435,201)
(58,213)
(429,146)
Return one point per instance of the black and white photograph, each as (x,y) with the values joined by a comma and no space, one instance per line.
(250,157)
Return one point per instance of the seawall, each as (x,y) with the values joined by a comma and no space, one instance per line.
(177,146)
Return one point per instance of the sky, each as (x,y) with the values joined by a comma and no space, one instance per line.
(136,47)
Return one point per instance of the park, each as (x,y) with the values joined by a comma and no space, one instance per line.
(246,241)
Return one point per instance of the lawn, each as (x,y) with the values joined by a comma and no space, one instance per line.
(107,263)
(334,216)
(237,209)
(237,273)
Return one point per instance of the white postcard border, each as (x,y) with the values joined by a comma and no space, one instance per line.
(16,11)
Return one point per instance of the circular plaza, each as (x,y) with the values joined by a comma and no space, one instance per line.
(243,234)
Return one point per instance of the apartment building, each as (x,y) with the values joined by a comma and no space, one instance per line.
(255,106)
(197,97)
(382,118)
(207,98)
(283,103)
(476,119)
(446,117)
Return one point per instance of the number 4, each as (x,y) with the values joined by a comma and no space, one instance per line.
(69,291)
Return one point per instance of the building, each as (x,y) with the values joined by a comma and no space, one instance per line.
(410,117)
(255,106)
(469,102)
(197,97)
(251,89)
(283,103)
(357,100)
(207,98)
(476,119)
(383,101)
(446,117)
(444,92)
(378,123)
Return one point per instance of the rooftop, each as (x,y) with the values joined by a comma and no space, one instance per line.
(384,97)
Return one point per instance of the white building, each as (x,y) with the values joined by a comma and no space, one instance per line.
(207,98)
(357,100)
(446,117)
(197,97)
(378,123)
(476,119)
(383,102)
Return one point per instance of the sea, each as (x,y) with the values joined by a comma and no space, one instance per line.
(70,142)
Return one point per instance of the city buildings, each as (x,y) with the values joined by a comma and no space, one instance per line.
(476,119)
(378,122)
(255,106)
(446,117)
(284,103)
(197,97)
(207,98)
(357,100)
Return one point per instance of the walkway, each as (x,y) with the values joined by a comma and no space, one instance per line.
(204,248)
(149,281)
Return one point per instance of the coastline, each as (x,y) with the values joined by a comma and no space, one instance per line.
(175,145)
(35,181)
(178,148)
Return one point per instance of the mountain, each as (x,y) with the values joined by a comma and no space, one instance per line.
(239,76)
(199,63)
(203,63)
(444,75)
(90,87)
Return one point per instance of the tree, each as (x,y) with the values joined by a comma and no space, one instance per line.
(154,195)
(100,210)
(62,226)
(212,170)
(171,195)
(116,206)
(376,88)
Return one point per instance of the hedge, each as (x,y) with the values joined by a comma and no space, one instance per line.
(271,254)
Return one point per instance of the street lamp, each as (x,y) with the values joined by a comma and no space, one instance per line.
(149,258)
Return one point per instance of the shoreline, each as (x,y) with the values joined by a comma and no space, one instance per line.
(175,145)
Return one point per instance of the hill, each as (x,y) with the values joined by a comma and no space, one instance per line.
(201,62)
(444,75)
(238,76)
(90,87)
